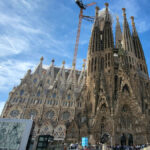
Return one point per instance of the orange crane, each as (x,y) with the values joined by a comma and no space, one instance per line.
(81,6)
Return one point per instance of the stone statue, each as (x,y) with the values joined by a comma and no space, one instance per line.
(105,138)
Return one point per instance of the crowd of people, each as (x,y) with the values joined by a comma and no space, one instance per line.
(126,147)
(99,147)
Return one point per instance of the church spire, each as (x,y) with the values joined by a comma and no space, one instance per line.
(39,67)
(108,41)
(95,41)
(118,36)
(61,74)
(107,17)
(106,4)
(138,48)
(136,41)
(126,37)
(96,11)
(134,32)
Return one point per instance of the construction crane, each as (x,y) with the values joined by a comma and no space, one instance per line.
(88,18)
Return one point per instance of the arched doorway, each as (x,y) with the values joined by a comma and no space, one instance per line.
(130,139)
(123,139)
(126,139)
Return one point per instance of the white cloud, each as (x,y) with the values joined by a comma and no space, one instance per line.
(19,23)
(16,37)
(12,71)
(2,103)
(27,29)
(9,20)
(26,4)
(45,66)
(132,7)
(142,26)
(21,34)
(12,45)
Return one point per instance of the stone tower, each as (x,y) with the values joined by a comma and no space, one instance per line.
(111,96)
(117,82)
(100,58)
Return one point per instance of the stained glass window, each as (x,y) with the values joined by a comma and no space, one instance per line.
(32,113)
(14,113)
(50,102)
(60,129)
(54,95)
(69,97)
(48,81)
(66,115)
(38,94)
(21,92)
(35,80)
(50,114)
(20,100)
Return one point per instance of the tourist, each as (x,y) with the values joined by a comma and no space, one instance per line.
(86,148)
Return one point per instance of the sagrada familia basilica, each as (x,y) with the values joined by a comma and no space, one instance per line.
(110,95)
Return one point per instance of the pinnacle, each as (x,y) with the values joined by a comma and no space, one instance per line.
(29,71)
(124,12)
(123,9)
(97,8)
(132,19)
(42,58)
(83,65)
(106,4)
(73,64)
(53,60)
(63,62)
(84,61)
(117,18)
(96,11)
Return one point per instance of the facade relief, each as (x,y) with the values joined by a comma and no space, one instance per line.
(110,96)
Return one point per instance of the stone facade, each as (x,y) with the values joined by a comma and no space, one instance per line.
(112,95)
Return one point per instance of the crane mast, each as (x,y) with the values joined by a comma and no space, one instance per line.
(81,6)
(77,38)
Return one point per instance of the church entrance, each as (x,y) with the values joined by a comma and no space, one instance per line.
(130,139)
(126,139)
(123,139)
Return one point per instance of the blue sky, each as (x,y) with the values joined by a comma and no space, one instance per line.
(30,29)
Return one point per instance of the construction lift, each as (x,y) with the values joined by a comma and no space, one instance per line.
(88,18)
